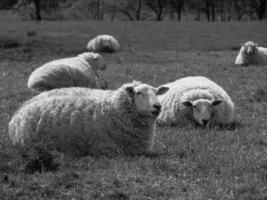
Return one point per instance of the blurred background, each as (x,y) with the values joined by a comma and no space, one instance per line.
(210,10)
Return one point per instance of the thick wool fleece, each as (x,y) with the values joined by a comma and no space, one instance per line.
(104,43)
(258,58)
(93,122)
(193,88)
(67,72)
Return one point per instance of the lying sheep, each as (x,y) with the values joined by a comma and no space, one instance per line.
(197,99)
(69,72)
(251,53)
(104,43)
(93,122)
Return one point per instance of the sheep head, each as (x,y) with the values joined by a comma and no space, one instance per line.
(202,109)
(94,59)
(145,99)
(250,47)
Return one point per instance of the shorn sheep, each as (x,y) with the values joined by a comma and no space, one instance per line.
(103,43)
(69,72)
(94,122)
(195,99)
(251,53)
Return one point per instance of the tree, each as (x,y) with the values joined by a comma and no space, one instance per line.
(138,9)
(260,7)
(132,9)
(239,8)
(210,9)
(96,9)
(177,5)
(157,7)
(38,5)
(7,4)
(195,6)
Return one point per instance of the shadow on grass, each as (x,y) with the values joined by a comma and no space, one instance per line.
(45,162)
(230,127)
(7,42)
(195,126)
(260,95)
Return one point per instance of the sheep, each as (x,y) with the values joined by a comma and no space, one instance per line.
(69,72)
(85,121)
(195,99)
(103,43)
(251,53)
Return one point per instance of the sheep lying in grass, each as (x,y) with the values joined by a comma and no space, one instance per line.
(197,99)
(104,43)
(251,53)
(93,122)
(69,72)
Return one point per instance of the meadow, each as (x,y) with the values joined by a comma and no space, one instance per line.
(189,163)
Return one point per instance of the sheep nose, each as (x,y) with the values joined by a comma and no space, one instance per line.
(204,121)
(157,107)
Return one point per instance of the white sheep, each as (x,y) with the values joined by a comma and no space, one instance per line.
(198,99)
(90,121)
(69,72)
(251,53)
(104,43)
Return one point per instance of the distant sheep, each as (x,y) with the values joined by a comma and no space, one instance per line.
(251,53)
(103,43)
(93,122)
(69,72)
(197,99)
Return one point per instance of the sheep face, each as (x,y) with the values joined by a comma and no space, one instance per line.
(95,60)
(146,100)
(202,109)
(106,44)
(250,47)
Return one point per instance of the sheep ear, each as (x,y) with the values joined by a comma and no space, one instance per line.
(130,90)
(187,103)
(162,90)
(216,102)
(94,57)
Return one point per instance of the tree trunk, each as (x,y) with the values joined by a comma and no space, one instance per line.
(208,10)
(98,10)
(260,7)
(179,10)
(37,10)
(159,16)
(160,11)
(138,10)
(213,12)
(262,10)
(179,14)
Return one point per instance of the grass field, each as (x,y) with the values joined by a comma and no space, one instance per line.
(197,164)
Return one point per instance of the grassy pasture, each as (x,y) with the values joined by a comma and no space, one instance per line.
(190,163)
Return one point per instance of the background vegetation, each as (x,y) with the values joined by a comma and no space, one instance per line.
(189,163)
(212,10)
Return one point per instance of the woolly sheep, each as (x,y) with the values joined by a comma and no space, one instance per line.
(198,99)
(93,122)
(69,72)
(104,43)
(251,53)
